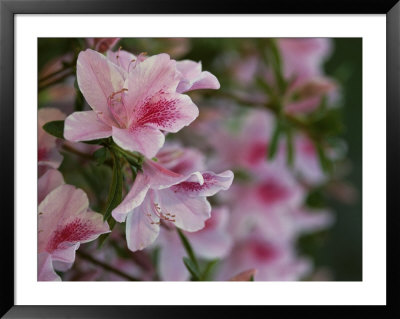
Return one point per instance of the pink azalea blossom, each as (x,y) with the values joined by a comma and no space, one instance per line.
(64,222)
(48,154)
(272,261)
(213,241)
(159,194)
(131,107)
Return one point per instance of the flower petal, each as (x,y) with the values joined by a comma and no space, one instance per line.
(189,213)
(165,111)
(47,182)
(141,229)
(98,78)
(64,220)
(213,183)
(122,58)
(171,266)
(155,74)
(160,177)
(193,78)
(143,139)
(45,271)
(85,126)
(133,199)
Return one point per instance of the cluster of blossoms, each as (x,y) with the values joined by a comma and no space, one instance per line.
(134,103)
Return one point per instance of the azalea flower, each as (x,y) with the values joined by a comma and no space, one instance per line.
(48,154)
(132,103)
(161,195)
(213,241)
(64,222)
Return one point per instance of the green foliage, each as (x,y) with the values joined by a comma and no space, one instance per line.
(55,128)
(115,192)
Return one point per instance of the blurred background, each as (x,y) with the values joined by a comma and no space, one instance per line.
(336,251)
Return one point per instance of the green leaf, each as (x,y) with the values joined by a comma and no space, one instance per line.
(188,248)
(273,147)
(323,159)
(277,66)
(191,267)
(55,128)
(79,101)
(289,145)
(103,237)
(115,192)
(252,278)
(208,269)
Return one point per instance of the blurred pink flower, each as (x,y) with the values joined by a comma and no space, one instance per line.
(303,57)
(213,241)
(272,261)
(48,154)
(160,194)
(64,222)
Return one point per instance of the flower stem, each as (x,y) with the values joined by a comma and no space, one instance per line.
(105,266)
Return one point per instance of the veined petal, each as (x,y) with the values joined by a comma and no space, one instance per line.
(47,182)
(64,220)
(142,226)
(154,75)
(143,139)
(85,126)
(165,111)
(45,271)
(213,183)
(189,213)
(133,199)
(98,78)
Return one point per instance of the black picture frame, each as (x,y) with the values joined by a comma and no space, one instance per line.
(8,10)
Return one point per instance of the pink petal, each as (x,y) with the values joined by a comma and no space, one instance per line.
(181,160)
(45,271)
(165,111)
(213,183)
(154,75)
(64,220)
(133,199)
(122,58)
(143,139)
(189,213)
(193,78)
(141,229)
(85,126)
(171,266)
(213,241)
(98,78)
(160,177)
(47,182)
